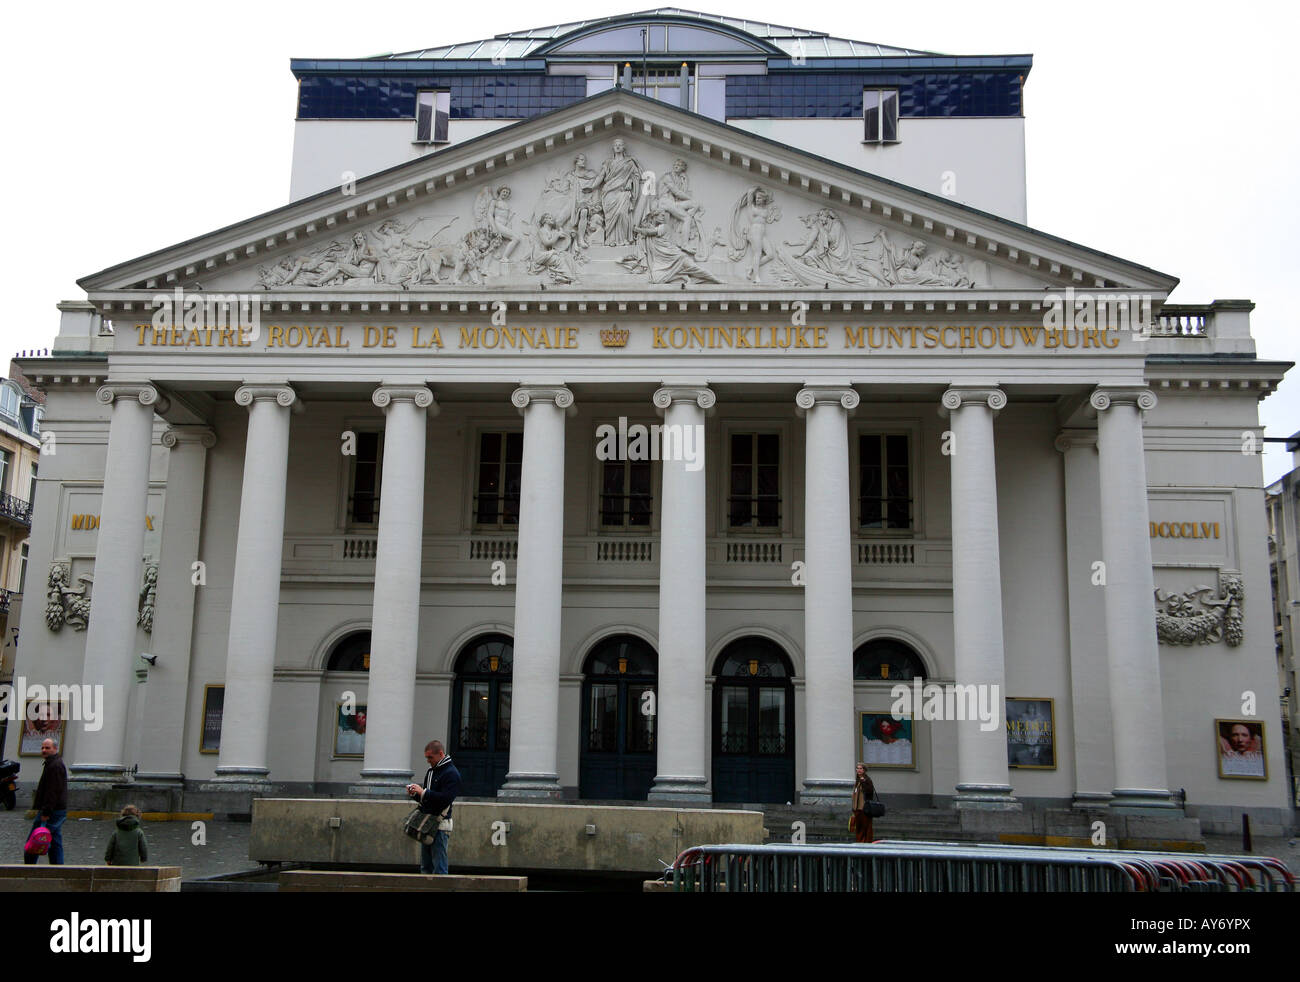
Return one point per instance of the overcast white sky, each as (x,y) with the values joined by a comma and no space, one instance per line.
(1165,133)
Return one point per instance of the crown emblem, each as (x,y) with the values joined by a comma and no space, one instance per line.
(613,337)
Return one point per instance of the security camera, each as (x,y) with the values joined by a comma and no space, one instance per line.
(151,659)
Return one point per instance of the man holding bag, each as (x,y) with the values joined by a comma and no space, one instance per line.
(441,785)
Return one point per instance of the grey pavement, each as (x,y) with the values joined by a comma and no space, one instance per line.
(170,844)
(226,849)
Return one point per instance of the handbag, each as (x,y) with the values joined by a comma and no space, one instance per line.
(875,807)
(421,825)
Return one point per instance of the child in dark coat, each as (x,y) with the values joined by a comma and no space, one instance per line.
(127,846)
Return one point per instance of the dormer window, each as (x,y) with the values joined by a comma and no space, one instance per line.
(10,401)
(880,115)
(432,115)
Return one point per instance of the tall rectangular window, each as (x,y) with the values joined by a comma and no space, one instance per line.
(500,475)
(625,495)
(5,459)
(880,115)
(755,499)
(363,502)
(31,487)
(22,568)
(432,115)
(885,481)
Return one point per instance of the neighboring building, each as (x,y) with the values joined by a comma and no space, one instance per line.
(414,498)
(1284,561)
(21,409)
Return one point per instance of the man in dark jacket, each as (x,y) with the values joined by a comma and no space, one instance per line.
(441,785)
(51,802)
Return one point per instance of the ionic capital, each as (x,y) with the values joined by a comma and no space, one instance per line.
(701,395)
(1105,396)
(843,397)
(184,436)
(1075,440)
(144,392)
(281,395)
(525,395)
(958,396)
(418,395)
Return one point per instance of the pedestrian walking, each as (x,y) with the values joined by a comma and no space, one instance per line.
(863,792)
(50,802)
(126,846)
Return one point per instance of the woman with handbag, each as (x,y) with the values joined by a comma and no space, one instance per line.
(863,793)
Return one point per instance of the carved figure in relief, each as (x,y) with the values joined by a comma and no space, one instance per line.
(750,243)
(909,265)
(683,210)
(662,258)
(823,255)
(65,604)
(618,183)
(492,212)
(148,597)
(569,197)
(551,251)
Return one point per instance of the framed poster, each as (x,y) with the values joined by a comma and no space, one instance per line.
(349,731)
(42,720)
(1240,745)
(884,741)
(214,701)
(1031,733)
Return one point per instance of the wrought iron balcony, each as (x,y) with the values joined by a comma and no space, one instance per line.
(16,509)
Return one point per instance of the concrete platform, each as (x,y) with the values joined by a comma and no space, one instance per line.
(316,881)
(492,835)
(42,878)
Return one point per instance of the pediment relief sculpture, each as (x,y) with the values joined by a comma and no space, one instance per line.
(623,220)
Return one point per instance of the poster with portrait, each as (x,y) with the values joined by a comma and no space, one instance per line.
(349,730)
(884,741)
(214,701)
(1240,745)
(42,720)
(1031,733)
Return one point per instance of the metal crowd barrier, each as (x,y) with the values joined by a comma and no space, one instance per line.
(943,867)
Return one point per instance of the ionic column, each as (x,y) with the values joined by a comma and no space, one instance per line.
(982,774)
(1094,754)
(395,622)
(111,647)
(828,595)
(681,736)
(538,579)
(1133,656)
(167,690)
(255,599)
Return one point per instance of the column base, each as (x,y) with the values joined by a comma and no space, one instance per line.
(986,797)
(382,784)
(1091,800)
(160,780)
(97,775)
(545,786)
(826,792)
(691,790)
(1143,801)
(255,780)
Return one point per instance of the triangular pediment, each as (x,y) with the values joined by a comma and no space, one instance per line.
(622,193)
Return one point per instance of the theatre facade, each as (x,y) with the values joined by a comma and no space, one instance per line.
(636,455)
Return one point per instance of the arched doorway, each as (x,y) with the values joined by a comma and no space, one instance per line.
(753,723)
(480,743)
(617,761)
